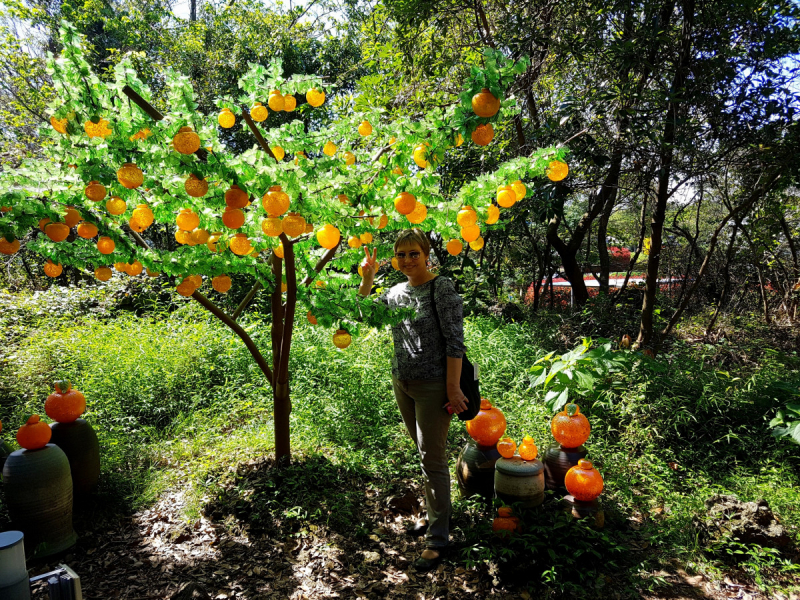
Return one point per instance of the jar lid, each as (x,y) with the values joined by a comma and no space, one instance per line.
(516,467)
(10,538)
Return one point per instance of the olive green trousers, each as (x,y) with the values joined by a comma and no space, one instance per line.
(421,406)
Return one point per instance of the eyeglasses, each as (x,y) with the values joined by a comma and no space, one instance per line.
(412,255)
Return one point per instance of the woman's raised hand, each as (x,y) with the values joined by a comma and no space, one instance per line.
(368,265)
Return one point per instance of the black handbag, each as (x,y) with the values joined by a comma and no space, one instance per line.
(469,374)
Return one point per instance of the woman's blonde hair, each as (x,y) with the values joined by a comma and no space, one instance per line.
(413,236)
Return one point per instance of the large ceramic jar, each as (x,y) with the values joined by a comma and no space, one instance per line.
(38,491)
(79,442)
(517,480)
(475,470)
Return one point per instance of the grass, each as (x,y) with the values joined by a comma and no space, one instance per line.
(177,401)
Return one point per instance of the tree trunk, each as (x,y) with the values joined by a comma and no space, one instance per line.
(602,243)
(726,274)
(666,155)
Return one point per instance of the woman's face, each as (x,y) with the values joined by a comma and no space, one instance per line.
(410,259)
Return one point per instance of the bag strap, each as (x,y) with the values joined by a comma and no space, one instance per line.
(433,306)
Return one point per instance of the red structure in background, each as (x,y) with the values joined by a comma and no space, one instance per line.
(562,289)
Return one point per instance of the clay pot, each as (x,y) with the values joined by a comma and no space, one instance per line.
(475,470)
(557,461)
(583,510)
(38,491)
(517,480)
(79,442)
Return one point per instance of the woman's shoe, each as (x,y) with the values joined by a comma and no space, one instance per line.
(426,564)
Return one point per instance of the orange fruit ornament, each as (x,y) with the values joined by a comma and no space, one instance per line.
(570,427)
(43,223)
(519,189)
(95,191)
(349,158)
(141,218)
(466,217)
(65,404)
(276,101)
(8,248)
(583,481)
(471,233)
(57,232)
(488,426)
(506,447)
(405,203)
(383,221)
(200,236)
(289,103)
(315,97)
(420,152)
(492,214)
(99,129)
(329,236)
(135,268)
(87,230)
(419,214)
(364,129)
(236,197)
(278,152)
(52,269)
(354,241)
(72,217)
(366,237)
(293,224)
(259,112)
(240,245)
(187,219)
(483,134)
(105,245)
(528,449)
(506,197)
(103,273)
(233,218)
(557,170)
(226,118)
(60,125)
(341,339)
(186,288)
(186,141)
(477,245)
(485,104)
(221,283)
(195,187)
(329,149)
(454,247)
(130,176)
(34,434)
(116,206)
(272,226)
(311,318)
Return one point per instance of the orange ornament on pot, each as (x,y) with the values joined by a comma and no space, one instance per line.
(570,427)
(505,522)
(583,481)
(528,449)
(488,426)
(34,434)
(506,447)
(65,404)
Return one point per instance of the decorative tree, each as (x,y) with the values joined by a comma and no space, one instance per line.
(122,181)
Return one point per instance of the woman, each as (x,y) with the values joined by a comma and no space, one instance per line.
(426,370)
